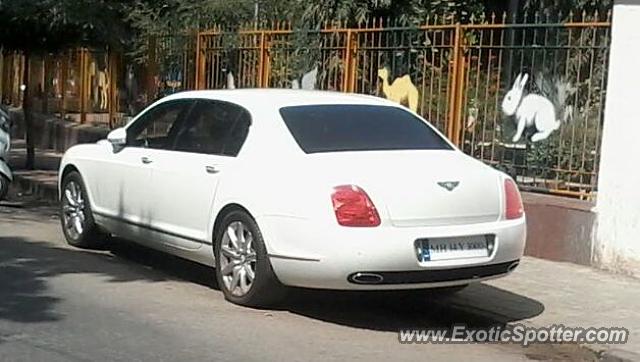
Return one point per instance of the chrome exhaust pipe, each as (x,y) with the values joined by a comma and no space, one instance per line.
(366,278)
(513,266)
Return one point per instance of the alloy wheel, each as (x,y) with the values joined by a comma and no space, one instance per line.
(237,259)
(73,210)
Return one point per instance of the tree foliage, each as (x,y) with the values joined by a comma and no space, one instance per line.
(42,26)
(166,16)
(162,17)
(562,8)
(50,25)
(355,12)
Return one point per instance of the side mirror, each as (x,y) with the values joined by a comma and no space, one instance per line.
(117,138)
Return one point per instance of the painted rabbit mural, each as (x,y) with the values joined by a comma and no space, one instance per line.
(535,111)
(532,110)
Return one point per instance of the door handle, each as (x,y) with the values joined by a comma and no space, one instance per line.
(146,160)
(211,169)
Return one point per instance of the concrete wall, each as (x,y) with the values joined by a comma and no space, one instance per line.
(559,228)
(53,133)
(617,238)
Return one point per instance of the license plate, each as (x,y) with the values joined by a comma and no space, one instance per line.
(462,247)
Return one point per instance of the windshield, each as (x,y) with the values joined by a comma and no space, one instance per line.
(334,128)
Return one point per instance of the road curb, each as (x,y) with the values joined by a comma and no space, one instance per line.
(27,184)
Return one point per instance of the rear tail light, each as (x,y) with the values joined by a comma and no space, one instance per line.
(513,202)
(353,207)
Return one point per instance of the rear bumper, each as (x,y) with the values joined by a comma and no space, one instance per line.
(432,276)
(330,256)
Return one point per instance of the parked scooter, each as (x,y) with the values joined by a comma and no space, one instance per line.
(5,142)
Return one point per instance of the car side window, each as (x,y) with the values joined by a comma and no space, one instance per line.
(215,128)
(156,128)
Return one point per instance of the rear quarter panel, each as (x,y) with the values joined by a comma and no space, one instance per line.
(269,177)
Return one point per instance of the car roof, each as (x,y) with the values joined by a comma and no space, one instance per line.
(254,98)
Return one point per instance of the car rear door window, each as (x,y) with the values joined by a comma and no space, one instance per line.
(216,128)
(334,128)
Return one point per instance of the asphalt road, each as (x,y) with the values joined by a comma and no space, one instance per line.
(129,303)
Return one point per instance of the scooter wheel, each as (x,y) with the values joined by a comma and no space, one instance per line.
(4,186)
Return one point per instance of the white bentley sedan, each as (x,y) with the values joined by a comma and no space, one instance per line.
(295,188)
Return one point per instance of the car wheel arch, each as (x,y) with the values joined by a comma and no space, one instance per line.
(66,171)
(68,168)
(228,208)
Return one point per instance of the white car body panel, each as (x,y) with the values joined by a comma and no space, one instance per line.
(179,208)
(172,202)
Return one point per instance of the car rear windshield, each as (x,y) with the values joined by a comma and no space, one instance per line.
(333,128)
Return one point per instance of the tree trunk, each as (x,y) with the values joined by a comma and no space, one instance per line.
(28,116)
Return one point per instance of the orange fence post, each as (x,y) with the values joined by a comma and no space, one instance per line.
(63,83)
(152,70)
(191,50)
(460,89)
(453,126)
(199,64)
(350,68)
(264,62)
(112,78)
(261,60)
(83,85)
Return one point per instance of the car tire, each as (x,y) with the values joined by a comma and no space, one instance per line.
(76,217)
(243,269)
(4,186)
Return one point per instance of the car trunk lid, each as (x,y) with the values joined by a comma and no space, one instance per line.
(418,188)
